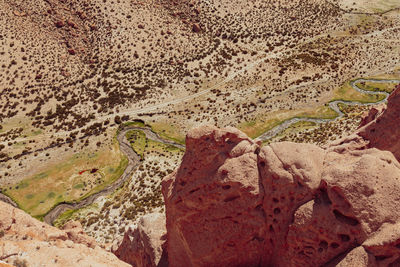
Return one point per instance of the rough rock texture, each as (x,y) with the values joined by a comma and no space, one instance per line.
(372,114)
(213,202)
(24,238)
(143,245)
(384,131)
(75,233)
(233,203)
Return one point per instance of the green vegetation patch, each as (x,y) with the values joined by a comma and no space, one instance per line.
(348,93)
(71,180)
(294,128)
(41,176)
(168,131)
(376,87)
(73,215)
(138,141)
(160,147)
(135,124)
(114,175)
(30,196)
(142,145)
(260,125)
(79,186)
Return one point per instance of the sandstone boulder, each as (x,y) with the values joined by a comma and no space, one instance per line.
(37,244)
(213,201)
(232,203)
(196,27)
(357,257)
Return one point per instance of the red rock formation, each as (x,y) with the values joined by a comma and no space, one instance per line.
(372,114)
(25,239)
(384,131)
(213,202)
(232,203)
(143,244)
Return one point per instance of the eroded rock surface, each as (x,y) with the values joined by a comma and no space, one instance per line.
(28,240)
(233,203)
(213,201)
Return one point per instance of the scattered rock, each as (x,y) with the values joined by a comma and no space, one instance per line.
(19,14)
(72,24)
(196,27)
(59,23)
(93,27)
(71,51)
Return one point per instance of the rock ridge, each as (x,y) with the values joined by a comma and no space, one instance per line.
(235,203)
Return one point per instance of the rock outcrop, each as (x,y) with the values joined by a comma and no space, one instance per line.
(234,203)
(383,132)
(28,241)
(213,201)
(75,233)
(143,245)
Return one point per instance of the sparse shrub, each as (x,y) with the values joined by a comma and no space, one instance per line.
(20,263)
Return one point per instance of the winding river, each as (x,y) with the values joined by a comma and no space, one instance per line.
(134,159)
(133,163)
(333,105)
